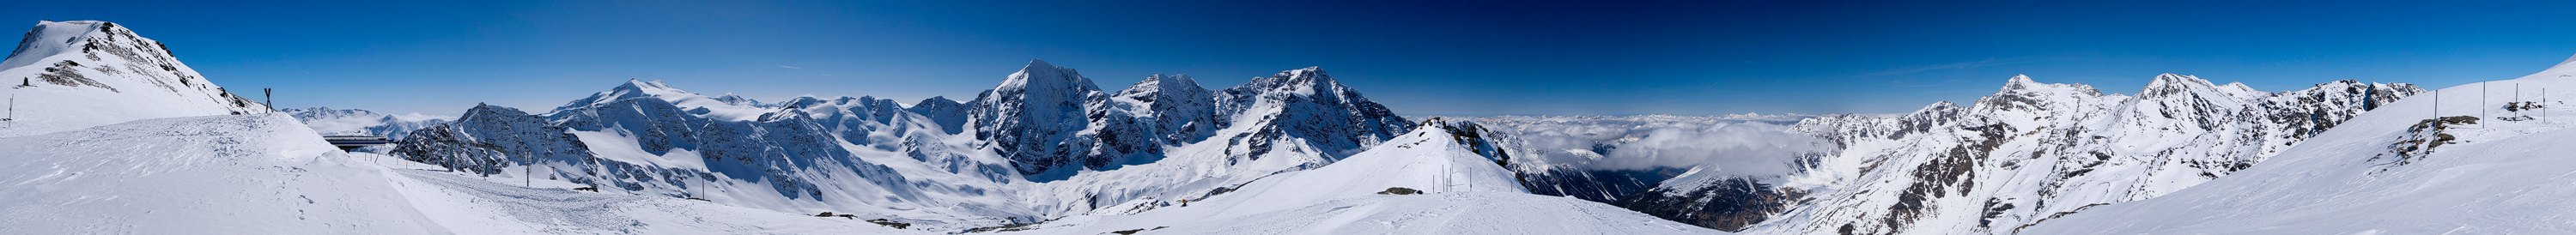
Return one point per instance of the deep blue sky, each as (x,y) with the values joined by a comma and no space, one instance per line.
(1419,58)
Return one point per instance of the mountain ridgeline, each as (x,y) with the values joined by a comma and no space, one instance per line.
(862,154)
(2027,153)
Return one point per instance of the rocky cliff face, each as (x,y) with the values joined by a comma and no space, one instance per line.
(1033,116)
(1304,112)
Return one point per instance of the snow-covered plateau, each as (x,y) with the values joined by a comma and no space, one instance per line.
(113,135)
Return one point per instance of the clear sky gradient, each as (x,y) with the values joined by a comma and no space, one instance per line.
(1419,58)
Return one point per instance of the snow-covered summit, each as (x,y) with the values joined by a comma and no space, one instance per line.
(1032,113)
(1309,105)
(76,74)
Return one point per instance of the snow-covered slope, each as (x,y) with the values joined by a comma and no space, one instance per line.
(79,74)
(269,174)
(2034,149)
(1449,188)
(2391,171)
(849,155)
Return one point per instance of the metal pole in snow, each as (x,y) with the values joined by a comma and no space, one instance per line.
(527,177)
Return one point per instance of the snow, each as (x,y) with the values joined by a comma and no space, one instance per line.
(2498,177)
(1462,193)
(269,174)
(80,74)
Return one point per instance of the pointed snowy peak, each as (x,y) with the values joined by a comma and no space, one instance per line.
(2170,79)
(2020,81)
(1305,78)
(742,109)
(1943,108)
(2166,85)
(655,87)
(1032,113)
(2023,83)
(1159,83)
(1039,75)
(50,38)
(2564,70)
(1307,103)
(78,74)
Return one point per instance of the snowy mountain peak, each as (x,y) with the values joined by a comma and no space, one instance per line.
(51,38)
(1159,83)
(88,73)
(2169,79)
(1937,108)
(2019,81)
(651,87)
(1312,76)
(1031,115)
(2172,84)
(1040,75)
(2023,84)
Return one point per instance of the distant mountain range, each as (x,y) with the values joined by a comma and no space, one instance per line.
(1048,151)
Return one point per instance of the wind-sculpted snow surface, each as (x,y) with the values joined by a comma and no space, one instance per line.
(2501,174)
(226,174)
(79,74)
(269,174)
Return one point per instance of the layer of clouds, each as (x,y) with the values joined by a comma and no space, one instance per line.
(1731,146)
